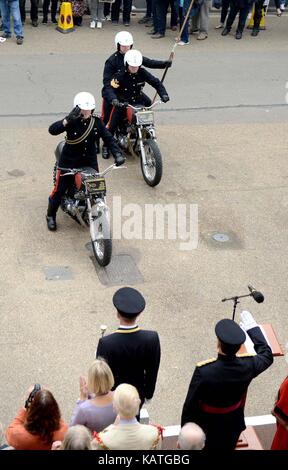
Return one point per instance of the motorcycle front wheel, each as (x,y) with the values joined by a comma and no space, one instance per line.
(102,244)
(152,170)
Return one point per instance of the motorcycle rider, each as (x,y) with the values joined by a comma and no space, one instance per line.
(83,131)
(114,64)
(126,87)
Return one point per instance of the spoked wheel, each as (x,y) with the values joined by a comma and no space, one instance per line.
(101,240)
(152,171)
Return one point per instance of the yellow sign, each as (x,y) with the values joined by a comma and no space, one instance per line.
(65,21)
(251,22)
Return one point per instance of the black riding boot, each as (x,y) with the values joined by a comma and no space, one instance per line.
(51,218)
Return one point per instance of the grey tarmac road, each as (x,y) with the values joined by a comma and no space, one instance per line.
(224,139)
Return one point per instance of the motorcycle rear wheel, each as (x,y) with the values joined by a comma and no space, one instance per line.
(152,172)
(102,246)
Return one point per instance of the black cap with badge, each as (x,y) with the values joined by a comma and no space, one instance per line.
(129,302)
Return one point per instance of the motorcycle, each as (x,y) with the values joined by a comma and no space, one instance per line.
(137,136)
(85,202)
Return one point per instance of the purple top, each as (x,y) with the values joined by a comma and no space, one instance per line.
(96,418)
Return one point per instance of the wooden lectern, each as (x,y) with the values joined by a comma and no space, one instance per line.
(271,339)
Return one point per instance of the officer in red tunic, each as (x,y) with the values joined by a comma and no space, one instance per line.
(217,392)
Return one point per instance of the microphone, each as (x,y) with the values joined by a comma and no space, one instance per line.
(257,296)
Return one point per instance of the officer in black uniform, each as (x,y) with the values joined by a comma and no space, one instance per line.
(217,392)
(83,133)
(133,354)
(126,87)
(115,64)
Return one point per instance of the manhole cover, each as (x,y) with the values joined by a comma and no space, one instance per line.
(220,237)
(122,270)
(58,273)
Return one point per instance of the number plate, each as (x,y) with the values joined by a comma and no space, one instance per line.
(145,117)
(95,185)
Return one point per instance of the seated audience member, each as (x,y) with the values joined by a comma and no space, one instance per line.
(76,438)
(191,437)
(94,409)
(38,423)
(280,411)
(128,433)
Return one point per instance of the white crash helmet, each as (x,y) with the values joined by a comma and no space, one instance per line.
(85,101)
(133,58)
(123,38)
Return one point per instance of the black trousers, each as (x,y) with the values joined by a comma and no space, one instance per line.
(161,13)
(258,13)
(148,8)
(33,11)
(46,5)
(240,7)
(115,10)
(224,10)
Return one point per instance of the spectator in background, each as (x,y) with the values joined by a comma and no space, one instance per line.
(38,424)
(148,15)
(97,13)
(126,9)
(217,392)
(94,409)
(8,8)
(33,11)
(46,4)
(237,6)
(76,438)
(132,353)
(224,12)
(280,411)
(200,22)
(127,433)
(191,437)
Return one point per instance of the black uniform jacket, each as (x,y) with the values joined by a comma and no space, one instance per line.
(128,86)
(84,153)
(222,383)
(115,64)
(134,357)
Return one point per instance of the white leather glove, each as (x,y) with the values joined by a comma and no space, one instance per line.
(248,321)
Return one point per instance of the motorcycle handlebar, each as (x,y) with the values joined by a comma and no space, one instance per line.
(73,171)
(144,107)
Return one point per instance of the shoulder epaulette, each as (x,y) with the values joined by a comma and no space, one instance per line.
(208,361)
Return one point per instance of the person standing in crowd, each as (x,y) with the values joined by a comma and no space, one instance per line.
(200,22)
(159,19)
(224,11)
(133,354)
(217,392)
(94,409)
(280,411)
(97,13)
(8,8)
(38,424)
(148,15)
(237,6)
(115,64)
(126,9)
(127,433)
(258,13)
(46,4)
(33,11)
(191,437)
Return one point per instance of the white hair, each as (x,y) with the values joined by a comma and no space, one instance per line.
(191,437)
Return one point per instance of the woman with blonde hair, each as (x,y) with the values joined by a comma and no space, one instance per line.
(94,409)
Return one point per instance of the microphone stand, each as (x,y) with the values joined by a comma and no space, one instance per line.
(236,301)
